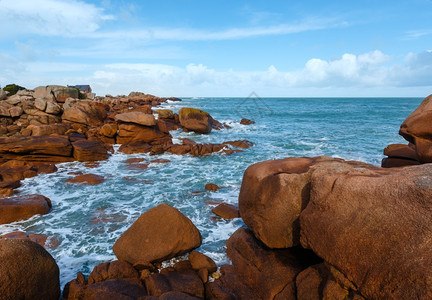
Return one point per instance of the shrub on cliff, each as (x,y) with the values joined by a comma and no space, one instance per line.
(13,89)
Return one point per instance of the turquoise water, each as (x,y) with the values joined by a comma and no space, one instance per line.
(353,129)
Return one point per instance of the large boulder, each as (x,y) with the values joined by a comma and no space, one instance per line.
(39,130)
(62,93)
(43,145)
(196,120)
(139,118)
(3,94)
(373,225)
(23,207)
(27,271)
(160,233)
(272,196)
(84,112)
(85,150)
(417,129)
(129,132)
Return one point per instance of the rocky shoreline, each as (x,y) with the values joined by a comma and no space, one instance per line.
(317,228)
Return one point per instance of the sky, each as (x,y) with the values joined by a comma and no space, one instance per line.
(188,48)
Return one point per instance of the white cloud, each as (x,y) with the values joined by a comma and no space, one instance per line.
(71,18)
(368,74)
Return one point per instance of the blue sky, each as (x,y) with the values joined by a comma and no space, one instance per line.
(220,48)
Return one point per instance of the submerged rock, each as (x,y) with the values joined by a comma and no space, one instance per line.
(226,211)
(91,179)
(160,233)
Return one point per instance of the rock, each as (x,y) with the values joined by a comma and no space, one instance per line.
(137,118)
(226,211)
(128,132)
(175,280)
(53,108)
(395,162)
(15,111)
(195,120)
(4,109)
(132,147)
(23,207)
(165,114)
(15,235)
(84,112)
(178,149)
(401,151)
(160,161)
(62,93)
(239,144)
(43,92)
(211,187)
(109,130)
(200,261)
(160,233)
(258,272)
(417,129)
(166,126)
(3,94)
(112,270)
(86,150)
(28,271)
(373,225)
(92,179)
(44,145)
(272,196)
(40,103)
(39,130)
(246,122)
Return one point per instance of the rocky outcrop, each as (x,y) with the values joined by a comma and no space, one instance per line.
(226,211)
(196,120)
(136,118)
(365,222)
(159,234)
(23,207)
(258,272)
(37,145)
(86,150)
(84,112)
(27,271)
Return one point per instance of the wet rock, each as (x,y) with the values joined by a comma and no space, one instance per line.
(23,207)
(179,149)
(166,126)
(159,234)
(165,114)
(226,211)
(211,187)
(195,120)
(246,122)
(133,147)
(91,179)
(86,150)
(160,161)
(240,144)
(28,271)
(136,118)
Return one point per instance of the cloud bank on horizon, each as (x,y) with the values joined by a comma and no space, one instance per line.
(196,48)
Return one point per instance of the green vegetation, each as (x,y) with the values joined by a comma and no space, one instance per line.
(13,89)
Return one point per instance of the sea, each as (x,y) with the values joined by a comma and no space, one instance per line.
(87,220)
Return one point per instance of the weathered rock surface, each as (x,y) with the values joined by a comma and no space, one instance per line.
(373,226)
(195,120)
(136,118)
(128,132)
(23,207)
(256,271)
(27,271)
(39,130)
(44,145)
(85,112)
(86,150)
(159,234)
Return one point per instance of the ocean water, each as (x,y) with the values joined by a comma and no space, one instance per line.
(87,220)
